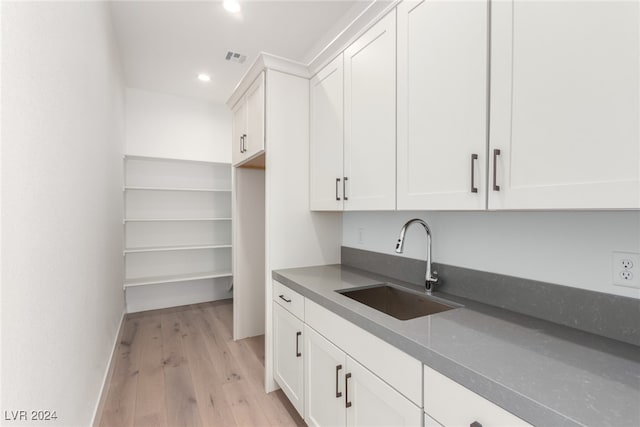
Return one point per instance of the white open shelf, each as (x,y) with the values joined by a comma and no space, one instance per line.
(177,204)
(143,281)
(161,234)
(166,159)
(206,190)
(174,248)
(165,173)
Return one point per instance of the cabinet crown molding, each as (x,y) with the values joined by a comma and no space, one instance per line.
(369,16)
(266,61)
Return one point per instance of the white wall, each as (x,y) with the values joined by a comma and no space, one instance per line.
(566,248)
(161,125)
(62,144)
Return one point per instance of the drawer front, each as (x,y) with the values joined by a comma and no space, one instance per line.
(292,301)
(395,367)
(451,404)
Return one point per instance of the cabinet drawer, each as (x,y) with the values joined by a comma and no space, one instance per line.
(394,366)
(451,404)
(291,300)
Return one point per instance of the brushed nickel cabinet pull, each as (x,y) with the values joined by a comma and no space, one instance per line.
(474,157)
(347,404)
(244,142)
(496,153)
(298,334)
(337,188)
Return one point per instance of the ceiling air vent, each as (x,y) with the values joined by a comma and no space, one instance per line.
(235,57)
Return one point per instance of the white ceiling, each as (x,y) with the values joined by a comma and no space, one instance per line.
(164,45)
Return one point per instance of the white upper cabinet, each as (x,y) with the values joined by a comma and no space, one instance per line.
(565,105)
(442,105)
(255,118)
(248,123)
(556,124)
(370,119)
(326,137)
(239,132)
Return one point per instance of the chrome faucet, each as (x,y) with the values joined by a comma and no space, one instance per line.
(432,276)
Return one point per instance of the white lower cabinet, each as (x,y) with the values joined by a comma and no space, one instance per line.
(342,392)
(373,403)
(337,374)
(288,366)
(324,378)
(393,366)
(451,404)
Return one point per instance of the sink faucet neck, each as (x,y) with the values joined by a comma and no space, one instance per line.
(431,276)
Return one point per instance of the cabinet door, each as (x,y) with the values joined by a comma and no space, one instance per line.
(326,138)
(324,379)
(442,104)
(371,402)
(287,357)
(255,117)
(370,124)
(565,108)
(239,131)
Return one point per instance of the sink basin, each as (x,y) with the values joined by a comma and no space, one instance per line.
(396,302)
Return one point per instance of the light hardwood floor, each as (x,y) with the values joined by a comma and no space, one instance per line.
(181,367)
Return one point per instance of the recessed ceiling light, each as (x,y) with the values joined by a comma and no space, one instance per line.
(231,6)
(204,77)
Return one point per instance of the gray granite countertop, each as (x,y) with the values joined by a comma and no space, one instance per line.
(547,374)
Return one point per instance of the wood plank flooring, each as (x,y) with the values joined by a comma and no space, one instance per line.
(180,367)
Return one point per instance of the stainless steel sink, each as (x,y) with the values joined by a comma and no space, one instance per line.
(396,302)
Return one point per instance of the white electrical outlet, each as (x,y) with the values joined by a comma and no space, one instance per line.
(626,269)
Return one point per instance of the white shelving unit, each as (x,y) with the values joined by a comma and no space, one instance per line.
(177,231)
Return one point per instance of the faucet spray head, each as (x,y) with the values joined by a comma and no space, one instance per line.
(399,246)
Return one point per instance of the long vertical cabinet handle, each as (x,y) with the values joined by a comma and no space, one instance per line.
(496,153)
(338,368)
(347,404)
(474,157)
(337,188)
(241,144)
(244,143)
(298,354)
(344,188)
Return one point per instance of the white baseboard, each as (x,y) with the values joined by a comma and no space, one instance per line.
(108,374)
